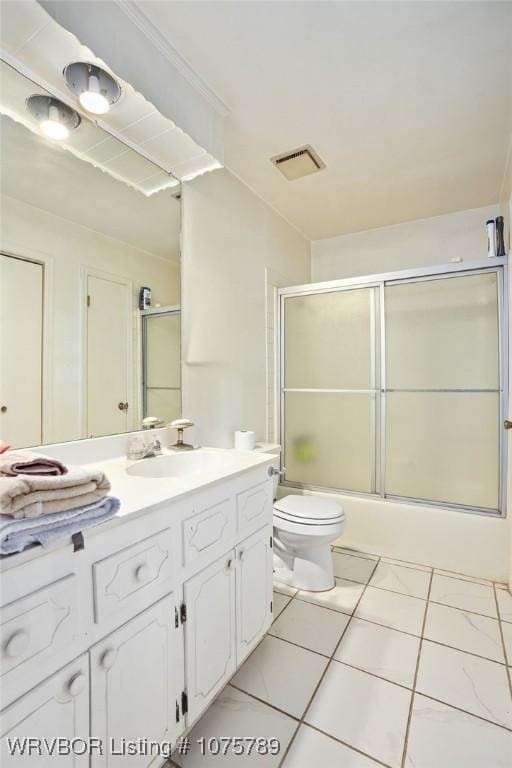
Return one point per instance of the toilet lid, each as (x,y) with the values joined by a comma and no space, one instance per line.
(308,509)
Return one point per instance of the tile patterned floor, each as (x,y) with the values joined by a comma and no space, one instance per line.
(399,666)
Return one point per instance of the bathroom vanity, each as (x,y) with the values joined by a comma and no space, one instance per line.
(130,633)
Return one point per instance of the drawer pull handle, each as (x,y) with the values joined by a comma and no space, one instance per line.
(109,658)
(142,573)
(77,684)
(17,644)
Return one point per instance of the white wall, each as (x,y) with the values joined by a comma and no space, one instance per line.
(403,246)
(65,248)
(229,238)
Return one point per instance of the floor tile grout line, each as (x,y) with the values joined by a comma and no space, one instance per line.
(503,644)
(329,662)
(415,679)
(465,610)
(297,645)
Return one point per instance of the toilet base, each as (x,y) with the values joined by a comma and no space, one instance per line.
(310,569)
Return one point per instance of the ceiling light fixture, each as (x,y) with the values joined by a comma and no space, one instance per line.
(55,118)
(96,89)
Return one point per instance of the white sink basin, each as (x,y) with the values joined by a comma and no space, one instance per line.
(177,465)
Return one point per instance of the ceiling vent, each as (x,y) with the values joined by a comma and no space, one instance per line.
(298,162)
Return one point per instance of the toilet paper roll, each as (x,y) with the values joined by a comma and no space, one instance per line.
(245,440)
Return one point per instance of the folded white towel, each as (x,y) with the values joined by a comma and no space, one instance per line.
(33,495)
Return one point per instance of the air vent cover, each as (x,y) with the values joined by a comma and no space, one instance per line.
(298,162)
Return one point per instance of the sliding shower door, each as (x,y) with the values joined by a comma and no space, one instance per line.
(396,388)
(443,390)
(330,389)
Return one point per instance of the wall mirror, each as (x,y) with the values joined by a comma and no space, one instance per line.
(86,223)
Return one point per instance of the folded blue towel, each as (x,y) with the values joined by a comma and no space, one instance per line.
(18,533)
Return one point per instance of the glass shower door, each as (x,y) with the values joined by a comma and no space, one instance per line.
(330,387)
(162,365)
(443,390)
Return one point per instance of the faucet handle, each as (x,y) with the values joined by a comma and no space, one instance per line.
(181,424)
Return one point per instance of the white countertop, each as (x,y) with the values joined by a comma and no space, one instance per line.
(139,494)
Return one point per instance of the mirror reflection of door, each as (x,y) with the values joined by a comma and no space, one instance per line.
(108,356)
(162,363)
(21,351)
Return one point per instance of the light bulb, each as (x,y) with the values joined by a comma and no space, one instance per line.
(53,128)
(92,100)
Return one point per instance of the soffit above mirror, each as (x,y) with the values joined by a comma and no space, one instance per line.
(34,44)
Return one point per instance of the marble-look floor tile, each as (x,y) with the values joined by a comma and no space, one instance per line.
(504,604)
(352,567)
(363,711)
(507,639)
(442,737)
(380,650)
(281,674)
(343,597)
(233,714)
(397,578)
(311,748)
(467,595)
(393,610)
(311,626)
(464,630)
(279,602)
(476,685)
(284,589)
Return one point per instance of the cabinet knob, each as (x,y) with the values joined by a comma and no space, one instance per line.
(109,658)
(241,555)
(17,644)
(229,565)
(77,684)
(142,572)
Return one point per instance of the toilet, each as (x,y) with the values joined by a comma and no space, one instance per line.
(304,529)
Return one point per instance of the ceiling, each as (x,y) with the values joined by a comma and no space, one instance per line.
(37,46)
(58,182)
(408,104)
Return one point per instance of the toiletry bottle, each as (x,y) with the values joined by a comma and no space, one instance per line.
(491,244)
(144,298)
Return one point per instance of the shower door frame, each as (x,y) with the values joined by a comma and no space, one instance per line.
(379,281)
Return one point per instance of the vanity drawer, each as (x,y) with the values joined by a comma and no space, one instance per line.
(209,532)
(254,507)
(36,630)
(133,578)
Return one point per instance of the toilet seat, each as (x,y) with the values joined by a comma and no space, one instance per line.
(308,510)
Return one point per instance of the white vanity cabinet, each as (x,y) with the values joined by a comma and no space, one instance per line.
(136,685)
(131,637)
(56,711)
(227,608)
(210,632)
(253,591)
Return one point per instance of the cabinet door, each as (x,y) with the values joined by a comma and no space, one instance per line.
(135,673)
(253,591)
(209,632)
(49,718)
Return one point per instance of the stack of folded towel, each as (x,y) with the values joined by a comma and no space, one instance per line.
(42,500)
